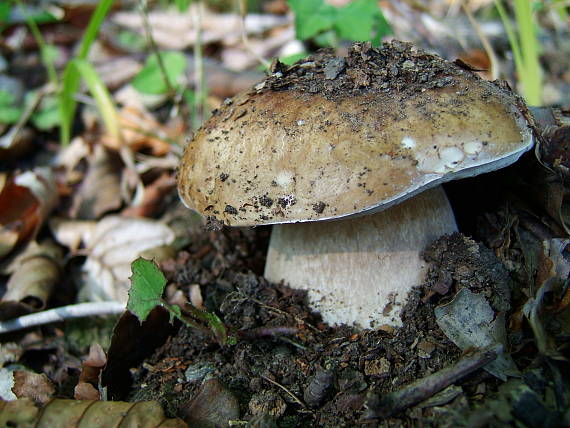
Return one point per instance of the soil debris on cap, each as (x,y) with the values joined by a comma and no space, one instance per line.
(410,119)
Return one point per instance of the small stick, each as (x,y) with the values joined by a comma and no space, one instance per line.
(61,314)
(293,396)
(425,388)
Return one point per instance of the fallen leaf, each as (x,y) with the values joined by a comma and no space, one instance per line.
(74,413)
(100,190)
(35,273)
(116,242)
(72,233)
(140,131)
(470,322)
(154,194)
(25,201)
(35,386)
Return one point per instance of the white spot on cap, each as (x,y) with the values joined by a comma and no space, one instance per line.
(300,122)
(408,142)
(451,156)
(284,178)
(473,147)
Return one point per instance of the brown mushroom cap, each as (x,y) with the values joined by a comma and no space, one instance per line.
(331,137)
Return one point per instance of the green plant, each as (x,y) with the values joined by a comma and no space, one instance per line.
(147,287)
(80,67)
(525,46)
(360,20)
(152,80)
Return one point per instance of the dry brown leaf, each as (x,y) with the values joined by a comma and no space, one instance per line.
(35,273)
(140,131)
(154,195)
(100,190)
(25,201)
(115,243)
(71,233)
(72,413)
(175,30)
(36,386)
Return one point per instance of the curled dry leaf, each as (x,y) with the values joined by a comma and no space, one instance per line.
(73,413)
(35,273)
(100,190)
(153,196)
(552,296)
(115,243)
(71,233)
(25,201)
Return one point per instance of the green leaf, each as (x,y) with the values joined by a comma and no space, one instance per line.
(355,20)
(312,17)
(147,286)
(70,85)
(182,5)
(6,98)
(10,114)
(102,96)
(48,116)
(150,80)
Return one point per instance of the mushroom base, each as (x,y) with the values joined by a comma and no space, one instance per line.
(360,271)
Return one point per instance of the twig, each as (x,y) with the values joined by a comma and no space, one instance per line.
(484,41)
(245,39)
(293,396)
(423,389)
(154,47)
(61,314)
(200,105)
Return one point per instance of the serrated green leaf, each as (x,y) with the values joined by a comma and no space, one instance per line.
(312,17)
(150,80)
(147,286)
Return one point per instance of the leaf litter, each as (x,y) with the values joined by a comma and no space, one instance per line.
(288,368)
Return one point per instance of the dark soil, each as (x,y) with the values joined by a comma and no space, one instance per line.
(287,368)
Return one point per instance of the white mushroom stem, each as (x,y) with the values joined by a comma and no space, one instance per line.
(360,271)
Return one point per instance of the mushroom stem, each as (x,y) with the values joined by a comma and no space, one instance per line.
(361,270)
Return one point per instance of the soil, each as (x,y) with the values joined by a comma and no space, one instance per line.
(288,368)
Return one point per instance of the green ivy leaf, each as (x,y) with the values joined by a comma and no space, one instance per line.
(147,286)
(312,17)
(358,20)
(150,80)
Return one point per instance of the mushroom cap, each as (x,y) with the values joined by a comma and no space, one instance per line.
(334,137)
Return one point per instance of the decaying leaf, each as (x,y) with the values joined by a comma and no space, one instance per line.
(35,272)
(25,201)
(72,233)
(114,245)
(552,295)
(470,322)
(73,413)
(100,190)
(36,386)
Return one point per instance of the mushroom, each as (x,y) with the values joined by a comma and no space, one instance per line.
(345,157)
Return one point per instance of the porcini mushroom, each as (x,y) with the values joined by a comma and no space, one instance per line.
(349,148)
